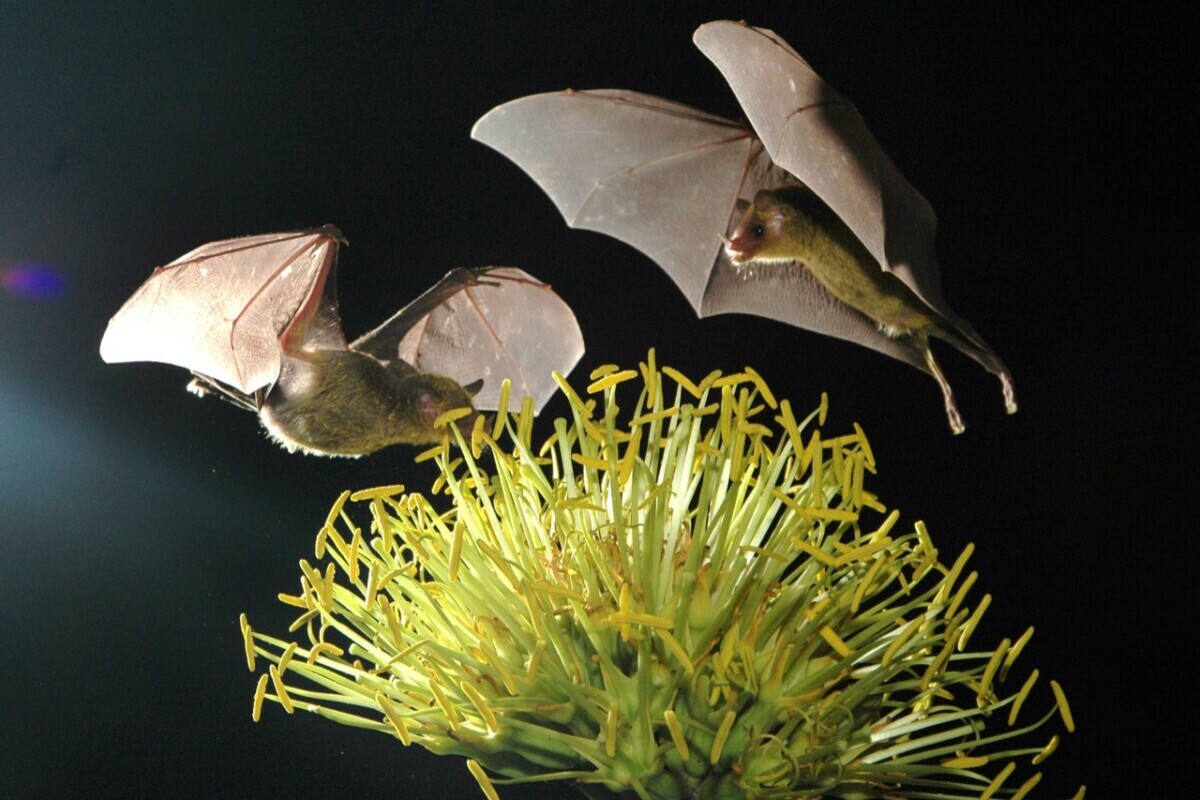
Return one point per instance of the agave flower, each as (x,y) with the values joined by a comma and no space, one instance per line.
(688,604)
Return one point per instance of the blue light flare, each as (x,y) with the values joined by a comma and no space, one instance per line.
(29,280)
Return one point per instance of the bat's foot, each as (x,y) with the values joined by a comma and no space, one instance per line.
(1010,398)
(957,425)
(199,388)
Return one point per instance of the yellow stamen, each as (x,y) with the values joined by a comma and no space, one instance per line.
(444,704)
(867,582)
(260,692)
(899,641)
(489,718)
(1046,751)
(321,648)
(430,454)
(293,600)
(763,390)
(653,416)
(286,658)
(477,436)
(281,690)
(247,641)
(450,417)
(352,558)
(303,620)
(485,783)
(456,545)
(602,370)
(1015,651)
(989,672)
(649,370)
(558,591)
(535,659)
(969,628)
(502,408)
(683,382)
(610,729)
(610,380)
(1064,710)
(815,552)
(719,740)
(636,618)
(675,647)
(676,731)
(1027,786)
(866,447)
(1021,695)
(835,641)
(961,594)
(398,723)
(586,461)
(998,781)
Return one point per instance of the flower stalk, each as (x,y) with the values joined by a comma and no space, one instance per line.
(701,602)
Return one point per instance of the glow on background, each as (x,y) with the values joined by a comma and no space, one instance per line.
(29,280)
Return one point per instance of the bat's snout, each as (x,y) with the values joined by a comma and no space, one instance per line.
(742,248)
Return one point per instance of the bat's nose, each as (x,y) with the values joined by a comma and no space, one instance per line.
(738,249)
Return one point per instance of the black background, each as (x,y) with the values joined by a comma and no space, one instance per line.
(137,522)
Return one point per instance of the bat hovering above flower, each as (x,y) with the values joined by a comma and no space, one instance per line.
(256,321)
(809,222)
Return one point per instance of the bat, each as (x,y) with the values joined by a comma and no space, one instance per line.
(803,219)
(256,321)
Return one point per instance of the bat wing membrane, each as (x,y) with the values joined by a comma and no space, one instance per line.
(222,309)
(488,324)
(658,175)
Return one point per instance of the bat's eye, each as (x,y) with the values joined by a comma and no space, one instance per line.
(758,231)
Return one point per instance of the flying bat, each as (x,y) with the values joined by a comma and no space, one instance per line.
(256,321)
(804,219)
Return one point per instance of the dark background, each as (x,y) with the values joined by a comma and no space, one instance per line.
(137,522)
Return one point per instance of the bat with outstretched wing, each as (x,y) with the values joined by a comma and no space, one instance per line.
(804,219)
(256,321)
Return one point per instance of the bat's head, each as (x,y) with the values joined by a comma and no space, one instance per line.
(760,234)
(434,395)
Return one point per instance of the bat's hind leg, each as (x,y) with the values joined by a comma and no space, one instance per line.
(956,421)
(202,386)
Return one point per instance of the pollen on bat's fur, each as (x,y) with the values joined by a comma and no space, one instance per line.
(564,610)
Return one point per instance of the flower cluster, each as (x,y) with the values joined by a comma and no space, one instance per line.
(687,604)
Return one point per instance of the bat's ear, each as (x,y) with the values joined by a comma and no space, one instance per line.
(741,206)
(473,387)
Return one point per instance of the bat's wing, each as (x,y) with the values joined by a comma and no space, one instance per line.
(817,135)
(228,310)
(658,175)
(488,324)
(667,179)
